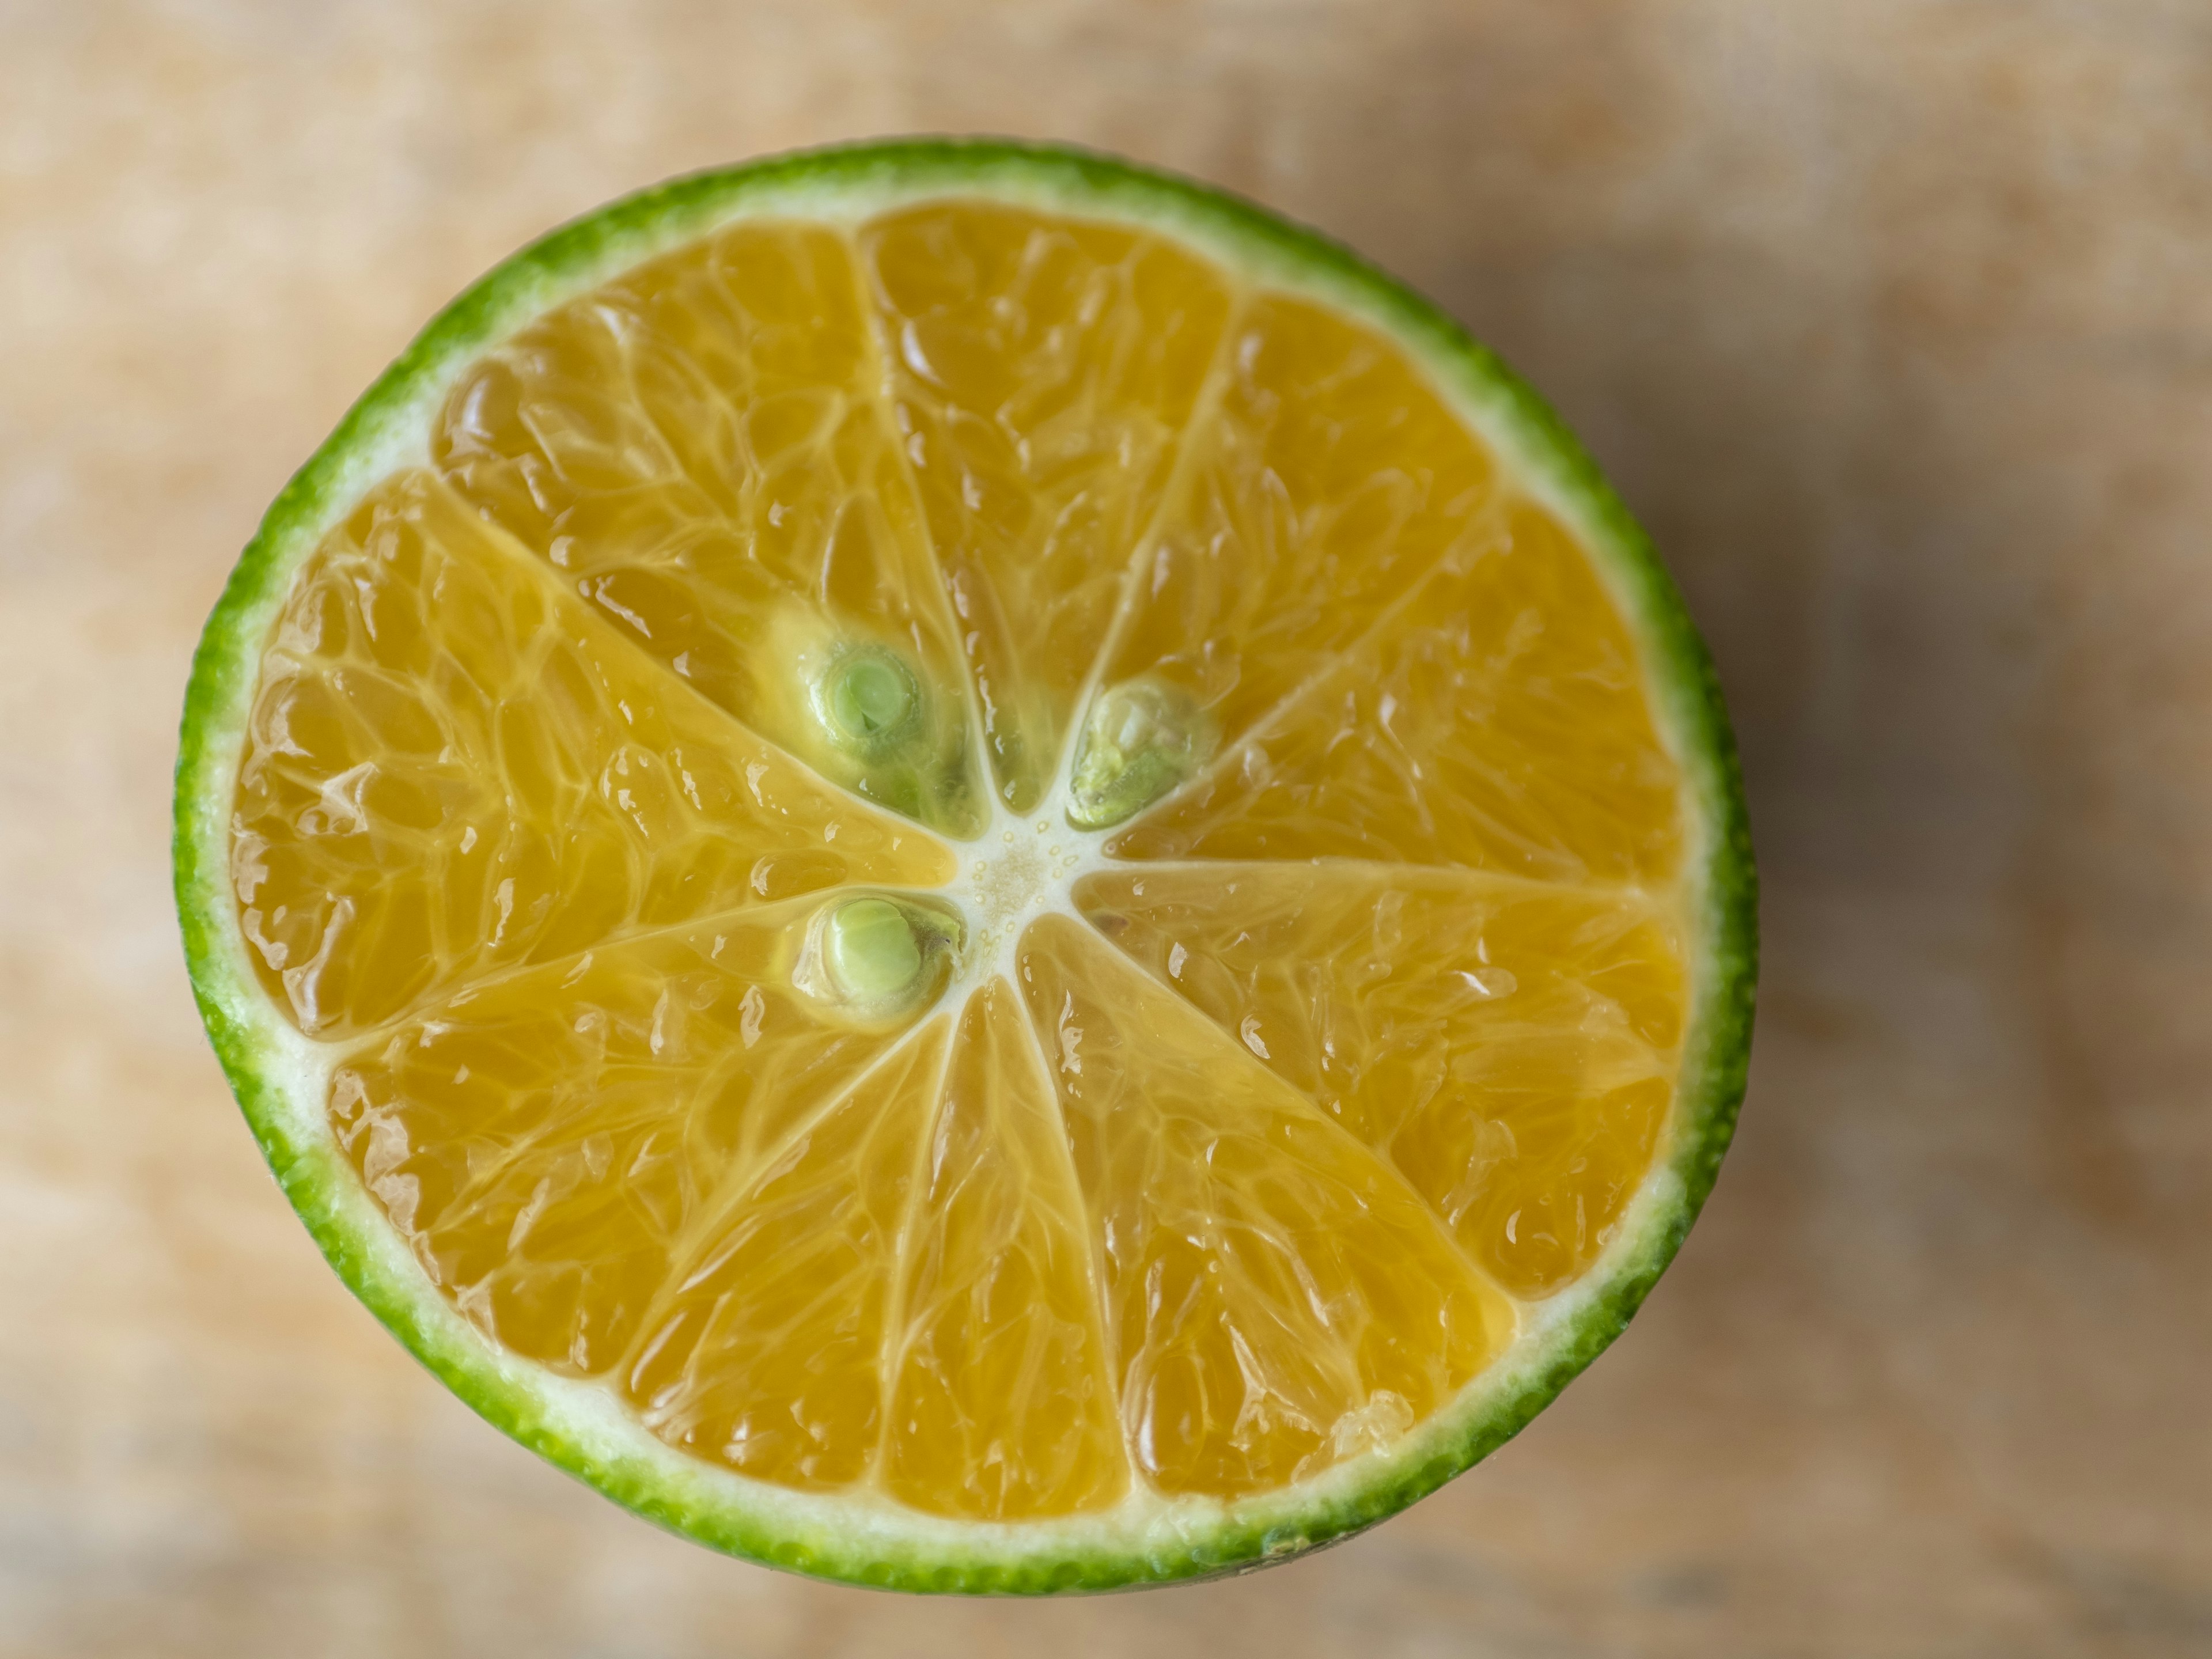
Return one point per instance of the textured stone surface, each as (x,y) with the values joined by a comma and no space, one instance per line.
(1890,318)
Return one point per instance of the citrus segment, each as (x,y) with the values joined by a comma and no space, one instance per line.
(1277,1297)
(766,1352)
(700,448)
(545,1139)
(1001,1409)
(1511,1047)
(1330,480)
(451,766)
(1499,721)
(1045,369)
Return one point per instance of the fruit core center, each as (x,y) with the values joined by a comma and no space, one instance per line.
(1010,878)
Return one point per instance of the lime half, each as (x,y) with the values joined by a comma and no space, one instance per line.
(969,870)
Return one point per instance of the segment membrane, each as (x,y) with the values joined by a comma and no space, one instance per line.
(766,1352)
(545,1141)
(1511,1049)
(450,769)
(1331,480)
(1002,1409)
(1043,370)
(1277,1298)
(1497,721)
(700,448)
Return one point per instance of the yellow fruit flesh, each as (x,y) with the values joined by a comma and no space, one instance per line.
(700,451)
(1497,722)
(453,766)
(769,1352)
(1001,1406)
(1373,1030)
(1509,1047)
(1046,372)
(1277,1298)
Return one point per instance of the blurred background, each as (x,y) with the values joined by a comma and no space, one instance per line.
(1893,318)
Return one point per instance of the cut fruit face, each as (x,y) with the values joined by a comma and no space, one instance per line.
(971,870)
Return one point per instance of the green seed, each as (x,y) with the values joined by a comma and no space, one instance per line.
(870,951)
(870,701)
(1141,740)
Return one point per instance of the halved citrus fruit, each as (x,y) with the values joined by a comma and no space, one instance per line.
(970,870)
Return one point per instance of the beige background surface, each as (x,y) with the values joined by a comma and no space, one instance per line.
(1894,319)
